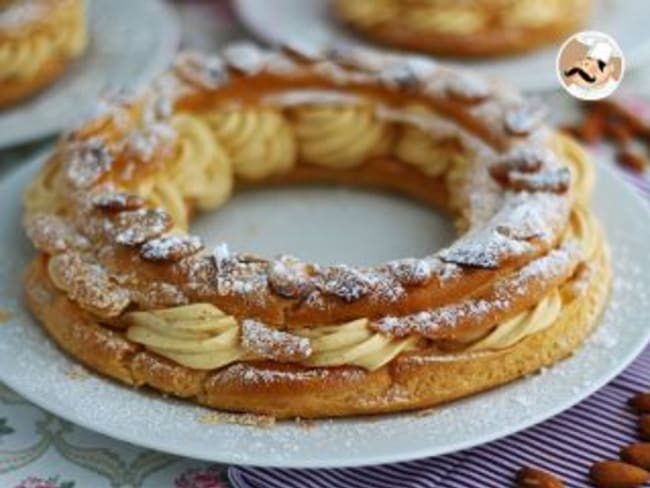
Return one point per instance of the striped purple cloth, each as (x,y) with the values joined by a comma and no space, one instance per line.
(566,445)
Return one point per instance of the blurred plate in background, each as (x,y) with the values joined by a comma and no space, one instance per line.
(131,41)
(534,71)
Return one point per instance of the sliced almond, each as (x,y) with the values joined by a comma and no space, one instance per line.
(134,227)
(557,181)
(115,201)
(172,247)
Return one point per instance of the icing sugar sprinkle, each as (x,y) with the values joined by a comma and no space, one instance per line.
(274,344)
(221,253)
(136,226)
(289,277)
(237,276)
(171,247)
(245,56)
(87,162)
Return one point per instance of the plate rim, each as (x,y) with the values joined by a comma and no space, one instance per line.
(345,461)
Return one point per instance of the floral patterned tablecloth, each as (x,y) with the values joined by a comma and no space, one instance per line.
(39,450)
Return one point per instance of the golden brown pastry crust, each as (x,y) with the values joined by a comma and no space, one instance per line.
(493,39)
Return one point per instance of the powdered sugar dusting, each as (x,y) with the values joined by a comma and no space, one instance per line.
(484,249)
(116,201)
(521,217)
(239,275)
(88,284)
(289,277)
(171,247)
(246,57)
(557,181)
(53,234)
(87,161)
(525,118)
(248,374)
(136,226)
(274,344)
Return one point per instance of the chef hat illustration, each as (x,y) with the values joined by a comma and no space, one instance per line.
(601,51)
(597,47)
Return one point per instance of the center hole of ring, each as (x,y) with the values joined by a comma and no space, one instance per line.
(326,225)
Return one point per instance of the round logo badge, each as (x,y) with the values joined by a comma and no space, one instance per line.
(590,65)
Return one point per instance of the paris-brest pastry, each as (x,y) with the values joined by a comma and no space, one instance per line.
(122,286)
(38,39)
(464,27)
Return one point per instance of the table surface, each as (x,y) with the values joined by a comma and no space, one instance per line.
(38,450)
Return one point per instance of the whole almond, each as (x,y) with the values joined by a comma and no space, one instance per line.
(615,474)
(592,127)
(644,427)
(641,402)
(536,478)
(633,156)
(617,130)
(637,454)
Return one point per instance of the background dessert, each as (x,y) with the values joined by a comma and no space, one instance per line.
(38,38)
(469,28)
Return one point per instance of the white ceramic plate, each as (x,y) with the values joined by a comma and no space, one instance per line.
(130,42)
(308,222)
(534,71)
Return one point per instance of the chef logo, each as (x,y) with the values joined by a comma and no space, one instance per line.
(590,65)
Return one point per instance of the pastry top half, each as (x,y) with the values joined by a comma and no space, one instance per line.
(110,210)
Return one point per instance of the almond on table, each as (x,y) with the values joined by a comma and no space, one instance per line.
(641,402)
(644,427)
(593,127)
(615,474)
(536,478)
(637,454)
(618,130)
(633,155)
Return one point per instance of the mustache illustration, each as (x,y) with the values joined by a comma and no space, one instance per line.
(580,72)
